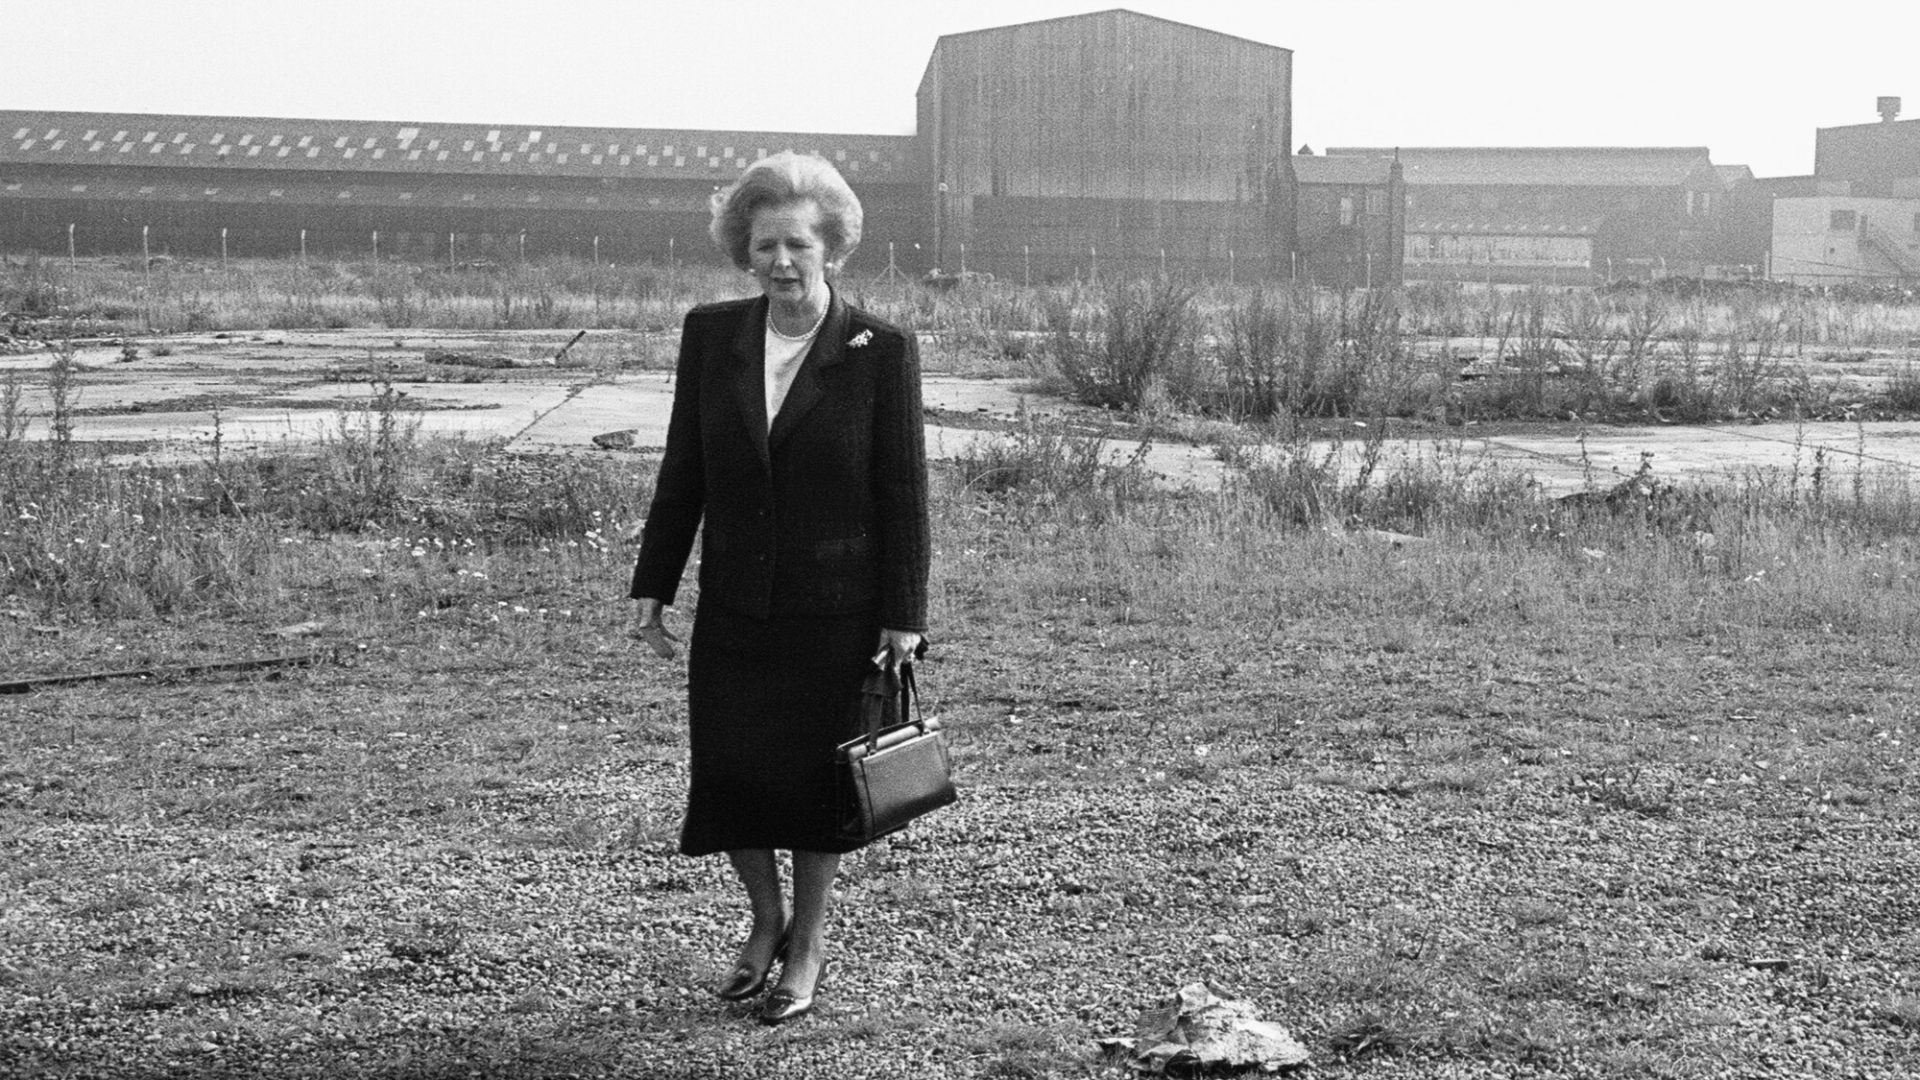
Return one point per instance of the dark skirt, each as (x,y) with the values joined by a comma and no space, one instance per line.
(767,703)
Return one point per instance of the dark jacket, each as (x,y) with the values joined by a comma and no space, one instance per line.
(825,515)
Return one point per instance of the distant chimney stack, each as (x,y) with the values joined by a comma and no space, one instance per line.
(1889,108)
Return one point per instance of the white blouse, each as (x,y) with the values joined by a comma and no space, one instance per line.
(784,356)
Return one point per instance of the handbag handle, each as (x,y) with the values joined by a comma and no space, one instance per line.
(909,693)
(909,702)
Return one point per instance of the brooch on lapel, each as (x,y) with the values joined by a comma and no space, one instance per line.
(860,339)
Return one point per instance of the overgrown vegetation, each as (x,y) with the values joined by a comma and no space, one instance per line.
(238,532)
(1436,352)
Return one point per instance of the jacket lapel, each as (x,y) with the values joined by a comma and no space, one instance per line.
(829,348)
(750,379)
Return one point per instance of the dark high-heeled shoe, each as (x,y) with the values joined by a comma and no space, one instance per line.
(745,982)
(783,1004)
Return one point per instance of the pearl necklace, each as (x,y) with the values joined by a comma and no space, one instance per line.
(812,330)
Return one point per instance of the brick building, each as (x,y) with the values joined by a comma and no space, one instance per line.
(1569,215)
(1352,221)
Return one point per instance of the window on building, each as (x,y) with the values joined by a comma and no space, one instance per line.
(1376,201)
(1346,210)
(1842,221)
(1916,223)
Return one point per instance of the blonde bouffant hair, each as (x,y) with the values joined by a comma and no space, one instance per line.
(781,180)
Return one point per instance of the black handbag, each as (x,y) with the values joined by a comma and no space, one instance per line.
(898,768)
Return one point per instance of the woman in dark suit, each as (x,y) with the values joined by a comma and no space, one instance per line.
(796,440)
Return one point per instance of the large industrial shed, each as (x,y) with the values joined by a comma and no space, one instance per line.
(1109,143)
(1571,215)
(253,186)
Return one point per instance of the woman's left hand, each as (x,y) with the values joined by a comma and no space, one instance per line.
(898,645)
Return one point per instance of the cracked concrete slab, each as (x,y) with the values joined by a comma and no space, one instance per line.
(277,387)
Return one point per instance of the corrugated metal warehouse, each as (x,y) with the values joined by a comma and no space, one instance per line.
(1104,144)
(1110,142)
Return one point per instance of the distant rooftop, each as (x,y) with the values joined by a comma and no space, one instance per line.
(1314,169)
(1905,126)
(1578,166)
(267,143)
(1114,14)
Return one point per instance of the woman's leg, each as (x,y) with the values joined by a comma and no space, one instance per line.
(761,875)
(813,873)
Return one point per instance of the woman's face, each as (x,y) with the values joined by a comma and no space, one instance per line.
(788,255)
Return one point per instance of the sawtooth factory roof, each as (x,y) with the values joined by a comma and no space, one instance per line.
(262,143)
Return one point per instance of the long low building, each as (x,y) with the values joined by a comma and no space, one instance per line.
(1571,215)
(201,185)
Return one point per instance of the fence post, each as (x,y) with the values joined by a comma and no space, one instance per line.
(892,272)
(523,245)
(70,246)
(1026,265)
(1163,262)
(963,259)
(223,249)
(1293,258)
(376,245)
(596,251)
(146,279)
(303,247)
(1093,253)
(450,262)
(670,259)
(1229,266)
(1369,270)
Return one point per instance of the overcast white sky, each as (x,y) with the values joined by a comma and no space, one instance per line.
(1751,81)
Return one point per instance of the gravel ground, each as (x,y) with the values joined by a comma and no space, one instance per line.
(999,938)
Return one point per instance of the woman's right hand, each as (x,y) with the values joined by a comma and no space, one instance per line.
(649,625)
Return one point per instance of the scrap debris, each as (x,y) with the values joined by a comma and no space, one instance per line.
(22,686)
(1199,1031)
